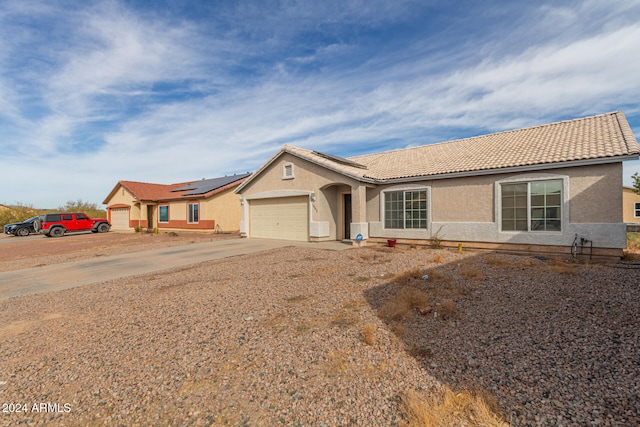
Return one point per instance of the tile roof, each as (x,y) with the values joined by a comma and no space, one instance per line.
(591,139)
(193,189)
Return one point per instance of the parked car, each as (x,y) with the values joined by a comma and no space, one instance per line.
(56,225)
(23,228)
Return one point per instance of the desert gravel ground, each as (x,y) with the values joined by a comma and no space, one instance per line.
(275,338)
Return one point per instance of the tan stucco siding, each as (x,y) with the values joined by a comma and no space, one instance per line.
(307,177)
(594,193)
(122,196)
(326,185)
(452,200)
(629,199)
(224,208)
(463,199)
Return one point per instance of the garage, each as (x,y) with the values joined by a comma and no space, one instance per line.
(119,218)
(283,218)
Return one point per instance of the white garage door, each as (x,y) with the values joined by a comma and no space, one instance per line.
(120,219)
(283,218)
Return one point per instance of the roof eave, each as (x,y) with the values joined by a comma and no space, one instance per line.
(285,150)
(513,169)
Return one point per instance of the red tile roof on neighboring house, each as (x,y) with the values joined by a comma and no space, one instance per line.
(144,191)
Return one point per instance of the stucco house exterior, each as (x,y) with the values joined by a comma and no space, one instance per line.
(630,206)
(530,189)
(207,204)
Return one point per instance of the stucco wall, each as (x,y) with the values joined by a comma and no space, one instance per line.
(123,197)
(629,198)
(595,193)
(224,208)
(307,177)
(327,187)
(466,209)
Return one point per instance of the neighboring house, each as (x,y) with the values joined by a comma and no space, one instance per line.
(531,189)
(630,206)
(208,204)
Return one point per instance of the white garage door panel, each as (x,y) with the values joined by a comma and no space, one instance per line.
(120,219)
(284,218)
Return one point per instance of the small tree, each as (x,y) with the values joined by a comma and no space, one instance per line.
(636,182)
(79,205)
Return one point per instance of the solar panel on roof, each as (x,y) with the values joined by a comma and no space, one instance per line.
(186,187)
(206,185)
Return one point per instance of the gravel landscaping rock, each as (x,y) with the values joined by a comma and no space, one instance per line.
(275,339)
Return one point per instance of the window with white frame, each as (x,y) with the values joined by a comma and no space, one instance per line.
(636,209)
(405,209)
(163,213)
(287,171)
(532,206)
(193,213)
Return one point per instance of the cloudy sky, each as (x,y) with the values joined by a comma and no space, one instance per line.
(164,91)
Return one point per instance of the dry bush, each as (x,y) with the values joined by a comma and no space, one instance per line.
(561,267)
(447,309)
(356,304)
(368,332)
(631,256)
(398,329)
(337,362)
(408,276)
(420,351)
(437,258)
(450,290)
(438,276)
(451,409)
(497,260)
(471,272)
(344,318)
(401,305)
(633,242)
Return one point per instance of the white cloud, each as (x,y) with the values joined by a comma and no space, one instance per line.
(250,100)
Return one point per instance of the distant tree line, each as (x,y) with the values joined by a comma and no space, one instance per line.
(21,212)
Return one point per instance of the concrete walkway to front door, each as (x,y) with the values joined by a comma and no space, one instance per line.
(69,275)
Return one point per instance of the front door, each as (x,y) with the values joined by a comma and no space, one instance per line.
(346,203)
(150,217)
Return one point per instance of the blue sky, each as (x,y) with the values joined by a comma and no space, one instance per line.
(92,92)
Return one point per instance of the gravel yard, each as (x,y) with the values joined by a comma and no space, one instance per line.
(275,338)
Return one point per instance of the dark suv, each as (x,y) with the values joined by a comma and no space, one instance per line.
(23,228)
(56,225)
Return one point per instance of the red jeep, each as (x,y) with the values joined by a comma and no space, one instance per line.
(56,225)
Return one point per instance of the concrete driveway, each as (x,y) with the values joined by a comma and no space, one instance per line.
(69,275)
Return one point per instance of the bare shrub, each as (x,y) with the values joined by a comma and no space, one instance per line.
(631,256)
(438,277)
(496,260)
(451,409)
(402,305)
(561,267)
(344,318)
(437,258)
(368,332)
(398,329)
(420,351)
(447,309)
(336,362)
(471,272)
(408,277)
